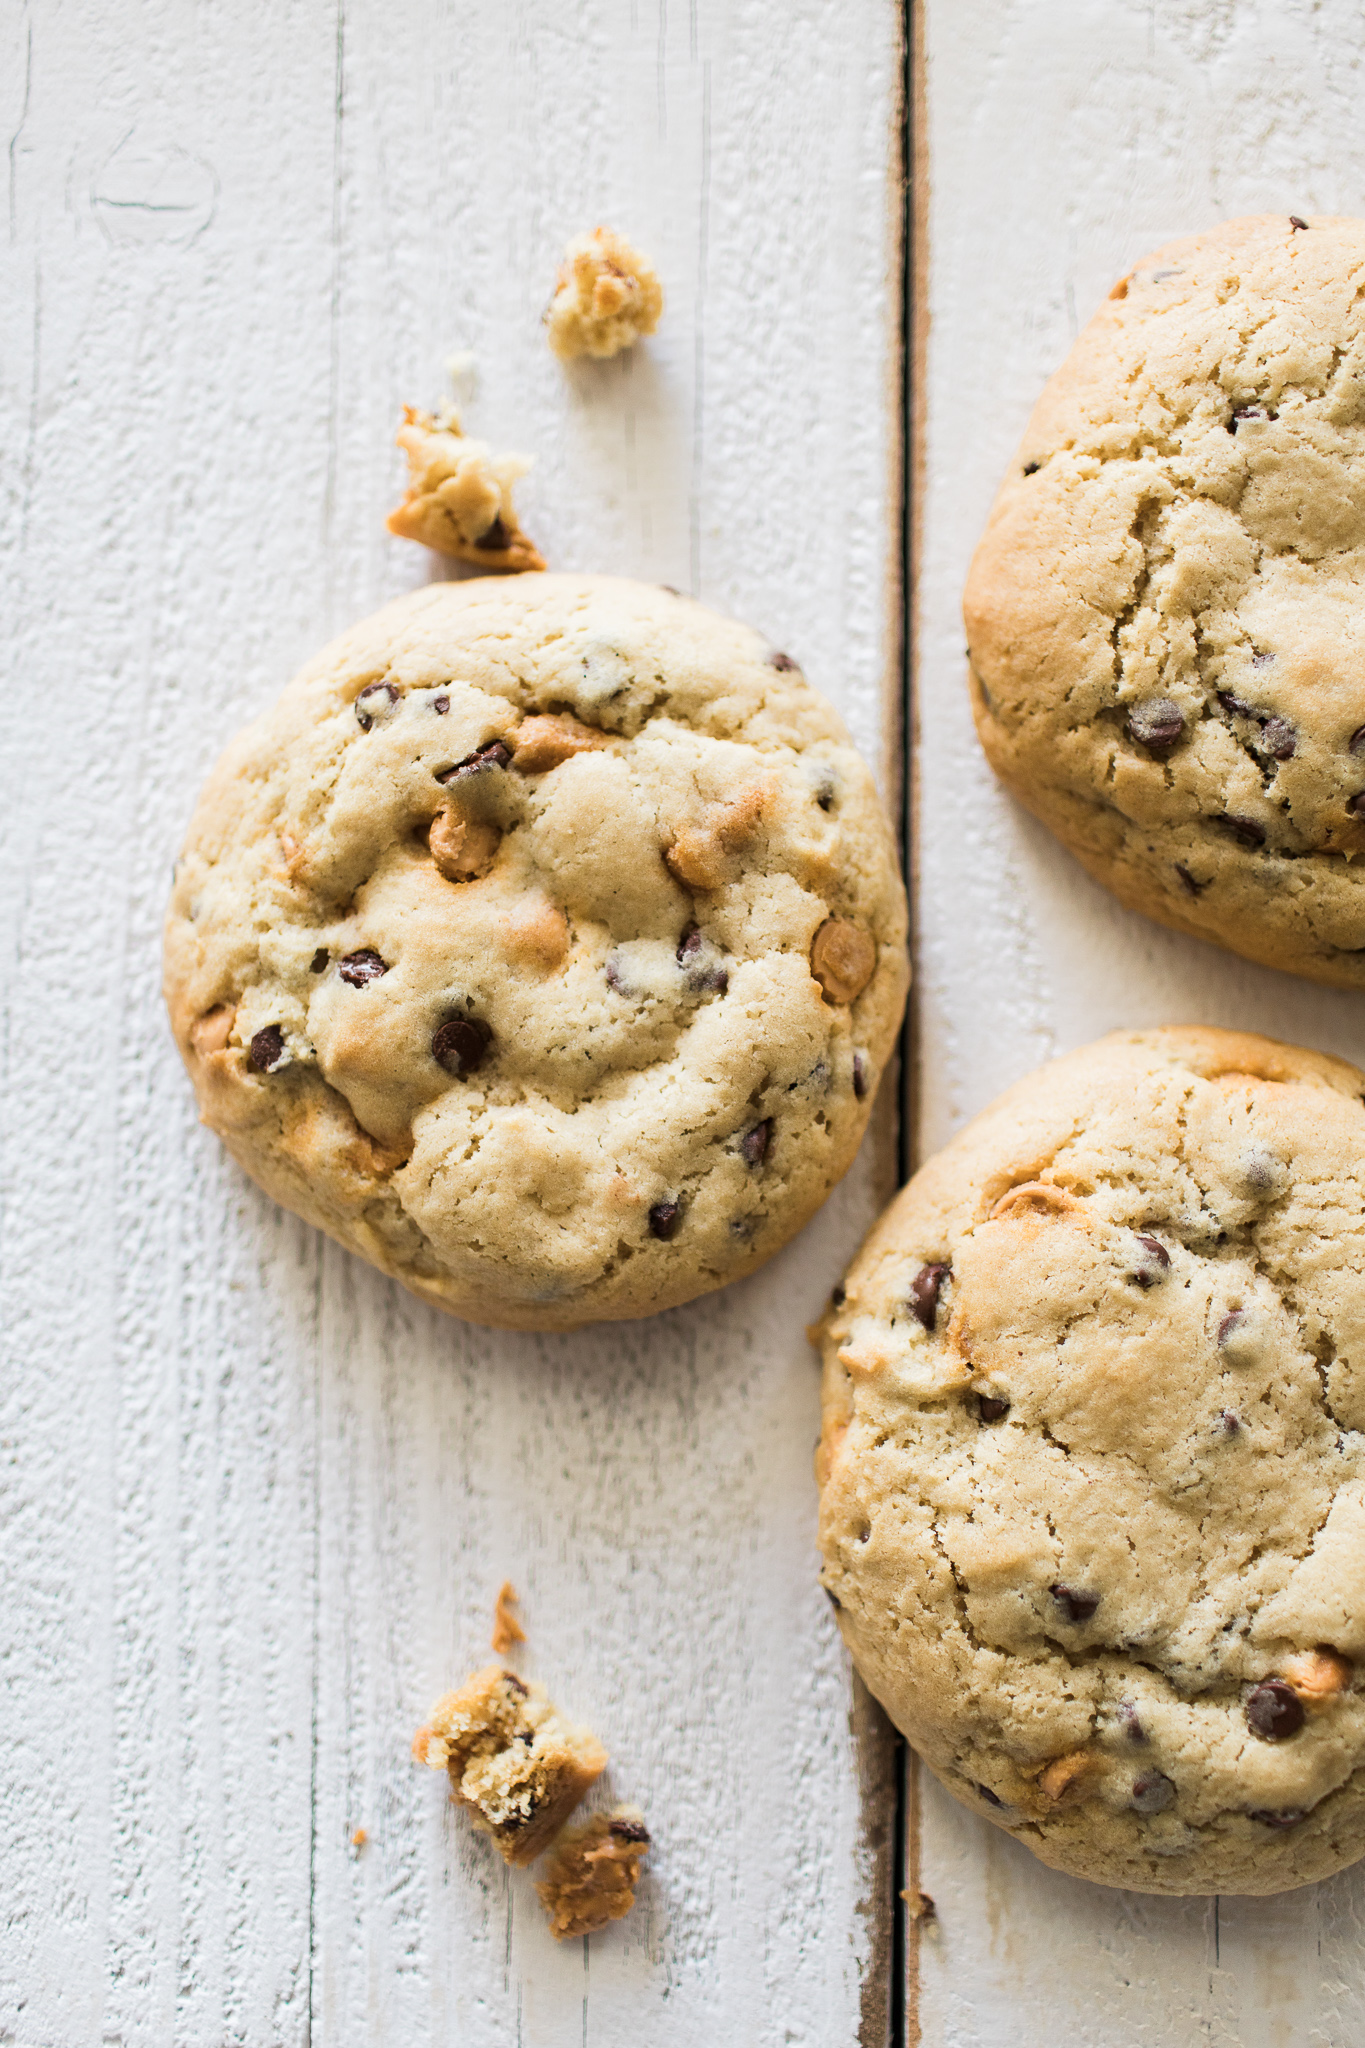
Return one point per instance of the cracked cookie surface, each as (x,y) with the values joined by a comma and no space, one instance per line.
(501,948)
(1093,1462)
(1164,616)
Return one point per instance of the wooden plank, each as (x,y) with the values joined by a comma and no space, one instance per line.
(1063,141)
(258,1501)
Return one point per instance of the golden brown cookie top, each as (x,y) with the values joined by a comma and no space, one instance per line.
(1093,1463)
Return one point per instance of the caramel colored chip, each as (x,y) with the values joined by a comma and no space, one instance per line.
(542,742)
(461,847)
(700,855)
(213,1030)
(842,958)
(1318,1676)
(537,932)
(1037,1198)
(1067,1777)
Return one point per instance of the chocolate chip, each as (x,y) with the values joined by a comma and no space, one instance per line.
(510,1678)
(703,971)
(1158,1262)
(671,588)
(754,1144)
(1261,659)
(628,1831)
(460,1044)
(1296,223)
(1234,706)
(494,755)
(924,1293)
(664,1219)
(1130,1722)
(319,960)
(362,967)
(1032,468)
(1274,1710)
(1229,1421)
(616,977)
(373,702)
(440,705)
(1356,743)
(1246,831)
(991,1798)
(1152,1792)
(859,1075)
(1187,880)
(1356,804)
(495,537)
(1279,738)
(835,1602)
(839,1297)
(1287,1817)
(268,1052)
(1075,1604)
(781,661)
(1156,724)
(989,1409)
(1232,1321)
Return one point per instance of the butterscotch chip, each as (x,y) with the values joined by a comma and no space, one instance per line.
(459,497)
(593,1870)
(842,959)
(606,297)
(542,742)
(212,1031)
(463,847)
(1093,1462)
(700,855)
(512,1759)
(537,931)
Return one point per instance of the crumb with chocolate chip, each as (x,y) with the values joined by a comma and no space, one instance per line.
(1093,1463)
(459,498)
(592,1873)
(1163,613)
(606,297)
(512,1759)
(545,945)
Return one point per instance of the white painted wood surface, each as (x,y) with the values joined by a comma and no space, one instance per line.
(1065,138)
(256,1501)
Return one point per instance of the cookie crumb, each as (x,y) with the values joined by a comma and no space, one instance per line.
(606,297)
(593,1871)
(507,1630)
(511,1758)
(459,497)
(920,1906)
(359,1839)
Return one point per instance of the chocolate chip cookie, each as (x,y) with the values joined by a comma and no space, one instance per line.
(1093,1463)
(545,945)
(1164,615)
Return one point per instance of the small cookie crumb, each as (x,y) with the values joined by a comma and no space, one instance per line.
(606,297)
(459,497)
(593,1871)
(359,1839)
(512,1759)
(507,1630)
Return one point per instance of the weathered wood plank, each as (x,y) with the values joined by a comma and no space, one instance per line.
(1062,142)
(257,1501)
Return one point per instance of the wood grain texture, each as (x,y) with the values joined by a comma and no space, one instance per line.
(256,1501)
(1065,138)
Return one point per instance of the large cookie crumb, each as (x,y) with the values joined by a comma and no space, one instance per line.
(459,497)
(606,297)
(592,1873)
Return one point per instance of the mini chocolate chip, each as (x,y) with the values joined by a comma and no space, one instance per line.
(1246,831)
(1229,1421)
(1261,659)
(1274,1710)
(754,1144)
(989,1409)
(781,661)
(1152,1792)
(702,973)
(833,1599)
(1187,880)
(1287,1817)
(319,960)
(1296,223)
(1032,468)
(374,699)
(495,536)
(689,945)
(1075,1604)
(1147,1276)
(460,1044)
(628,1830)
(1234,706)
(494,755)
(1356,743)
(925,1289)
(1131,1723)
(664,1219)
(268,1052)
(440,705)
(510,1678)
(362,967)
(839,1296)
(528,1736)
(859,1075)
(1156,724)
(615,977)
(991,1798)
(671,588)
(1279,738)
(1230,1322)
(1356,804)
